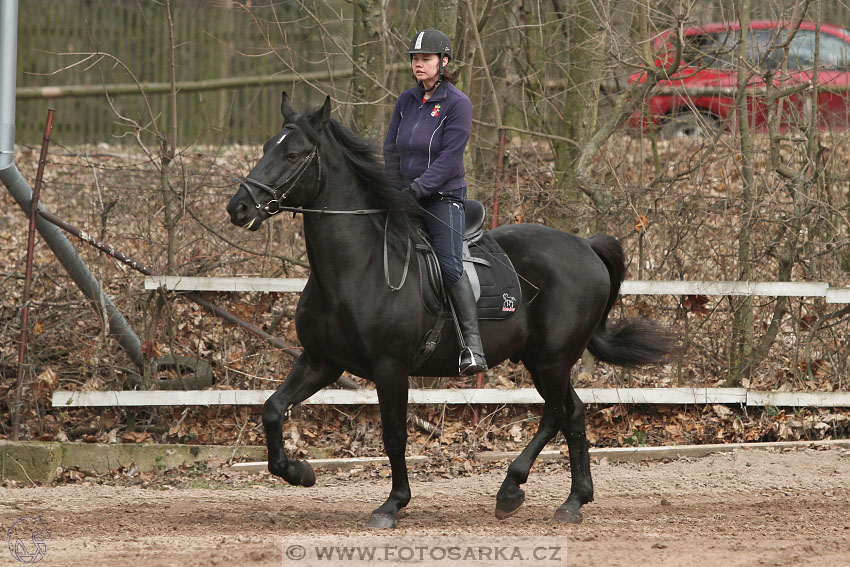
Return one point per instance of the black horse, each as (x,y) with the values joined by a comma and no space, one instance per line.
(348,318)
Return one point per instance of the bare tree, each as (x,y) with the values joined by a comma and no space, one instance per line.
(369,55)
(579,39)
(742,337)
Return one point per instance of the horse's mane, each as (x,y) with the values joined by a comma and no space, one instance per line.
(363,157)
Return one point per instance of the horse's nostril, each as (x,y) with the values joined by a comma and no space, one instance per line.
(238,211)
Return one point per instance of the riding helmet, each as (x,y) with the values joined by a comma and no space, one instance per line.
(431,41)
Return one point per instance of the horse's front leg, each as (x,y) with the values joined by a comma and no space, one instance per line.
(392,397)
(308,376)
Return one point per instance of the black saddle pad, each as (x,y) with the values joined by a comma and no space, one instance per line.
(500,289)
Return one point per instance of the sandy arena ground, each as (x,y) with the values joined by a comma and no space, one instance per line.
(743,508)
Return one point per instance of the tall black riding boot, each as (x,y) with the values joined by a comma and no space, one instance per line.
(471,360)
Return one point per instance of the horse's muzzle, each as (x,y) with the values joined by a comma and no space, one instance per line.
(243,215)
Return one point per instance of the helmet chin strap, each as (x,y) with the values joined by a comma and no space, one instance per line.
(434,86)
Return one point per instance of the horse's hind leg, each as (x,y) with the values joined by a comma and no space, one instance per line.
(581,490)
(552,385)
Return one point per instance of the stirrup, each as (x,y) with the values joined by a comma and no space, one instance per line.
(474,364)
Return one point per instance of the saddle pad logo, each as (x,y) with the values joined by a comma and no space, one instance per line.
(436,112)
(508,302)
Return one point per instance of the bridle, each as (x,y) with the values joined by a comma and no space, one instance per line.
(273,206)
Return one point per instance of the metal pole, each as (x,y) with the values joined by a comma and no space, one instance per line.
(53,237)
(191,295)
(22,193)
(25,310)
(8,79)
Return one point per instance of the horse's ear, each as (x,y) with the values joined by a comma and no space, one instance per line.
(322,115)
(285,108)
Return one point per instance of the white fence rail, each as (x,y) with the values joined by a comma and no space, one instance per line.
(186,283)
(630,287)
(740,396)
(684,396)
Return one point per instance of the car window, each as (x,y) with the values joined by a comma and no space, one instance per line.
(719,50)
(834,52)
(759,51)
(715,50)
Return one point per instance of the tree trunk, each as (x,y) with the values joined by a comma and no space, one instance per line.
(742,331)
(489,109)
(582,43)
(369,54)
(445,17)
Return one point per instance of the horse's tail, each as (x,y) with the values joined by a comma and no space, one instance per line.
(630,342)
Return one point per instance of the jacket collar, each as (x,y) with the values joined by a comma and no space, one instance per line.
(440,93)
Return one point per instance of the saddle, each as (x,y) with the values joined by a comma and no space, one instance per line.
(491,274)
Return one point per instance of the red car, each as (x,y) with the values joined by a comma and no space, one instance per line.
(700,95)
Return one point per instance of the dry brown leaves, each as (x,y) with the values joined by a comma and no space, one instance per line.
(688,230)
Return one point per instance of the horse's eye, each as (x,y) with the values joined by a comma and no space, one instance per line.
(292,157)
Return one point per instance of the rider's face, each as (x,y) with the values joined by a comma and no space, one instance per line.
(425,67)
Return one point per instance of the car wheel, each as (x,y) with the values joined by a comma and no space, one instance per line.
(689,125)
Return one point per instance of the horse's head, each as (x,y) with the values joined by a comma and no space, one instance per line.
(288,174)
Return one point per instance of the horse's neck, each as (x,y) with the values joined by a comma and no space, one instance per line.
(341,246)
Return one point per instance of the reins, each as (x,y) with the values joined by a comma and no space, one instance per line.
(386,260)
(273,207)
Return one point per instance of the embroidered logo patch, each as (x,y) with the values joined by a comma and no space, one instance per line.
(436,111)
(508,302)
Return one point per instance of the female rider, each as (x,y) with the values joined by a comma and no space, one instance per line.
(424,146)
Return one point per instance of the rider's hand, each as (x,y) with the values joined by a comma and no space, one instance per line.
(409,191)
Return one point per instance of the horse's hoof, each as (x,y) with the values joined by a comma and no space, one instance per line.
(564,514)
(507,507)
(296,473)
(382,521)
(306,477)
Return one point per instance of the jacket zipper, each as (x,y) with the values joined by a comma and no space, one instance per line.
(410,140)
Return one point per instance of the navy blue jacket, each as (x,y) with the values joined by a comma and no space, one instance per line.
(425,141)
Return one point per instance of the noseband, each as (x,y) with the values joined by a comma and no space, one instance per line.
(273,206)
